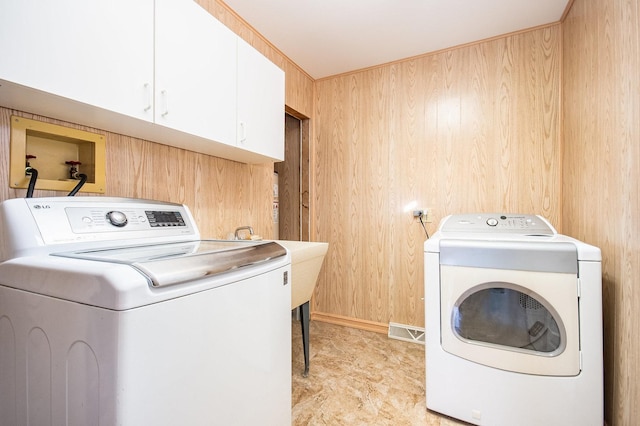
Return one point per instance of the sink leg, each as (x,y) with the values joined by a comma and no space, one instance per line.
(304,322)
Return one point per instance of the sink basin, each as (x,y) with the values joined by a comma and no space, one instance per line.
(306,261)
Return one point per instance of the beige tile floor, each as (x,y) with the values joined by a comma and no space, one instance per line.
(359,378)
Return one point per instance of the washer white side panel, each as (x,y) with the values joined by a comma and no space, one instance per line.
(47,342)
(221,356)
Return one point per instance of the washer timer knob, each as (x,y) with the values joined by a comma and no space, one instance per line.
(117,218)
(492,221)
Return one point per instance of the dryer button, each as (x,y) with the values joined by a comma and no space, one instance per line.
(492,221)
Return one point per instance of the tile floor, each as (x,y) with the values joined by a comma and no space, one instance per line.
(359,378)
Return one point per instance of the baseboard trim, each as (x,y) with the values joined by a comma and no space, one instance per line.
(361,324)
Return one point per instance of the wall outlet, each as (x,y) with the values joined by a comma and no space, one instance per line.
(426,214)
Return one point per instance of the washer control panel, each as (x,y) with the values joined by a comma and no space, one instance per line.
(526,224)
(111,218)
(83,219)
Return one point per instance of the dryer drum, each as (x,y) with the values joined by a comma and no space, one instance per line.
(529,302)
(506,317)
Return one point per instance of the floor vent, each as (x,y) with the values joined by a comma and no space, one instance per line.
(407,333)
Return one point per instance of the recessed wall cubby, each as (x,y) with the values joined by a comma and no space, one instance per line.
(50,148)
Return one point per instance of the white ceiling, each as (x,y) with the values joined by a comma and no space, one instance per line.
(328,37)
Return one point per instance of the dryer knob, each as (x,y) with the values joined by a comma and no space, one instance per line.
(117,218)
(492,221)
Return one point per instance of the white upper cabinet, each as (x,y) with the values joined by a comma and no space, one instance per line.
(162,70)
(195,85)
(99,53)
(260,103)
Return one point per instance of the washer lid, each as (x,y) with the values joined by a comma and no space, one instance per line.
(175,263)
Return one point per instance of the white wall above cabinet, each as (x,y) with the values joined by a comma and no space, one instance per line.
(168,72)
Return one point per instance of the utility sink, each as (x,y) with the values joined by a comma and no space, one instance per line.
(306,261)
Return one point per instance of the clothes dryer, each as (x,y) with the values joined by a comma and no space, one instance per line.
(513,323)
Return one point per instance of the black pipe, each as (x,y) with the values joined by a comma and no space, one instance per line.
(83,179)
(32,181)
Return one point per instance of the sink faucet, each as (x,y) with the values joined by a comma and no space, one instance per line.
(242,228)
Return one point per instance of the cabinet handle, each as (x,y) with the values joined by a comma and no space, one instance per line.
(147,96)
(165,103)
(243,132)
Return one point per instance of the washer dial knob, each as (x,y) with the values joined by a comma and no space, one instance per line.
(492,221)
(117,218)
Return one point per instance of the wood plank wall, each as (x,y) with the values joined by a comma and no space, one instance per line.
(474,128)
(601,177)
(221,194)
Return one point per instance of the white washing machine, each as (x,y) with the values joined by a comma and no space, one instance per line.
(114,312)
(513,323)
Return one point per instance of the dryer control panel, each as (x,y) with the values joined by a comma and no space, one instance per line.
(526,224)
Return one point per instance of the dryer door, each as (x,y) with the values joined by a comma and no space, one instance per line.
(522,321)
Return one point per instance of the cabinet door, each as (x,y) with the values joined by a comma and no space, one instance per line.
(195,71)
(260,103)
(97,52)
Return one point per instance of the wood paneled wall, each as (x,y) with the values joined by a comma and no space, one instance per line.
(469,129)
(221,194)
(601,176)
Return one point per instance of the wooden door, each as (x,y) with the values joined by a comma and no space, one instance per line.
(289,182)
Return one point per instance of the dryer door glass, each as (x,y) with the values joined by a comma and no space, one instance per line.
(507,317)
(523,321)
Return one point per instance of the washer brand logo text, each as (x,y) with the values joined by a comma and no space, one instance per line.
(41,206)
